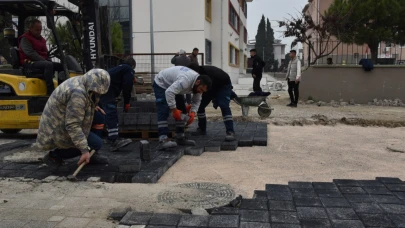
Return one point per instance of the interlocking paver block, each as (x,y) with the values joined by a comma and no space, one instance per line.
(347,224)
(194,221)
(145,177)
(358,198)
(335,202)
(304,192)
(324,185)
(311,213)
(389,180)
(393,208)
(296,184)
(225,211)
(277,188)
(377,190)
(281,205)
(284,217)
(315,223)
(376,220)
(370,183)
(130,166)
(342,213)
(253,204)
(400,195)
(307,202)
(118,213)
(229,146)
(285,226)
(165,219)
(275,195)
(399,220)
(194,151)
(254,216)
(346,183)
(386,199)
(396,187)
(328,193)
(368,208)
(352,190)
(254,225)
(224,221)
(258,194)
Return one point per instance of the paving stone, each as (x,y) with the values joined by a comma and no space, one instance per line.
(399,220)
(393,208)
(277,188)
(346,183)
(285,226)
(145,177)
(386,199)
(29,167)
(368,208)
(259,141)
(295,184)
(328,193)
(14,145)
(311,213)
(254,216)
(342,213)
(245,141)
(376,220)
(224,221)
(38,175)
(165,219)
(130,166)
(118,213)
(282,196)
(193,221)
(258,194)
(121,177)
(144,150)
(284,217)
(400,195)
(396,187)
(303,192)
(377,190)
(335,202)
(14,166)
(213,146)
(194,151)
(254,204)
(389,180)
(156,226)
(347,224)
(229,146)
(370,183)
(136,218)
(225,211)
(307,202)
(352,190)
(315,223)
(254,225)
(358,198)
(281,205)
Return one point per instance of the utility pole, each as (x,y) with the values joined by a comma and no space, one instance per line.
(152,42)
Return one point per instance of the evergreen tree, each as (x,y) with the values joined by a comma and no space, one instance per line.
(116,38)
(269,49)
(261,39)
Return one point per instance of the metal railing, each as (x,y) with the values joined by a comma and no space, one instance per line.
(351,54)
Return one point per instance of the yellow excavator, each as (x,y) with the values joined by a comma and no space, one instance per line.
(23,91)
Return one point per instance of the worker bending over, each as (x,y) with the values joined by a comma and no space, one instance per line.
(169,83)
(220,95)
(65,123)
(122,79)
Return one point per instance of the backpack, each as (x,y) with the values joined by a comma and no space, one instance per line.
(367,64)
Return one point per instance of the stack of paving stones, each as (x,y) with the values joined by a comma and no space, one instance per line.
(340,204)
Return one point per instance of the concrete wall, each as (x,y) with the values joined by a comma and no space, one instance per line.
(328,83)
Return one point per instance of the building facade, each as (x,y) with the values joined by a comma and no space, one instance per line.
(216,27)
(278,50)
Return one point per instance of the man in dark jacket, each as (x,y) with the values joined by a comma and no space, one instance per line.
(220,94)
(257,71)
(181,59)
(194,56)
(122,79)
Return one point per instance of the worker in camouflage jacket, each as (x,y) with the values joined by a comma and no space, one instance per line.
(65,123)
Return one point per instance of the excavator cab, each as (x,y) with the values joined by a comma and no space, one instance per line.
(23,91)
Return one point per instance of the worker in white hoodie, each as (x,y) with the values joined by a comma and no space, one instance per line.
(174,81)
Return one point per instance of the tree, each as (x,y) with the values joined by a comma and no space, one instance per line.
(66,37)
(269,50)
(261,38)
(374,21)
(275,66)
(116,38)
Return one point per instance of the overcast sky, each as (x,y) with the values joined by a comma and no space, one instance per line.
(274,10)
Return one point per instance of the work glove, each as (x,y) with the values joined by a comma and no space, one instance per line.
(126,108)
(191,115)
(188,108)
(176,114)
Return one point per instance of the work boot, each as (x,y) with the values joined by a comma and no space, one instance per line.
(199,132)
(98,159)
(183,141)
(230,136)
(166,144)
(119,143)
(290,104)
(294,105)
(52,162)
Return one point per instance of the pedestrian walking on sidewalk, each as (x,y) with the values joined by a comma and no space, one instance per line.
(257,71)
(293,78)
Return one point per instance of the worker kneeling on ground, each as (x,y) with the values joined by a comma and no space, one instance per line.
(220,95)
(122,79)
(168,83)
(65,123)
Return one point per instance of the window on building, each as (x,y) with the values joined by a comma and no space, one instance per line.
(245,35)
(208,51)
(208,10)
(242,4)
(233,18)
(245,7)
(233,55)
(245,61)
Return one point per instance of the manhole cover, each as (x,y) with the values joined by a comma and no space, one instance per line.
(202,195)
